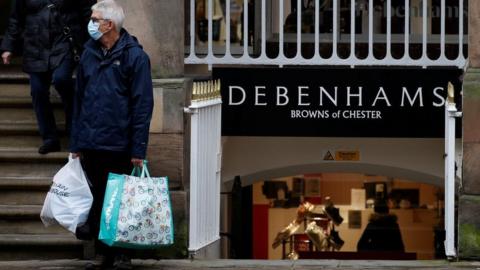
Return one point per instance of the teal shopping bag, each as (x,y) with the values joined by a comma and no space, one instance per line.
(137,211)
(111,208)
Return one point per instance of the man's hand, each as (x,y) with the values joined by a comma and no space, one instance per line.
(75,155)
(6,56)
(137,162)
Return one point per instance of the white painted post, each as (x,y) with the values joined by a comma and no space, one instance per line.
(281,55)
(370,30)
(245,28)
(460,29)
(352,29)
(389,29)
(336,29)
(299,29)
(450,115)
(227,29)
(264,29)
(407,30)
(192,28)
(317,30)
(424,30)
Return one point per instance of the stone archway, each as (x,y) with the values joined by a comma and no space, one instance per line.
(396,172)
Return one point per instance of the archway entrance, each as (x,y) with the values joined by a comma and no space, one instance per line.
(414,208)
(283,173)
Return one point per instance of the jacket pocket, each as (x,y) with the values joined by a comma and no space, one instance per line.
(118,77)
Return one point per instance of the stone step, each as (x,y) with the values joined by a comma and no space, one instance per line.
(17,155)
(30,142)
(16,191)
(22,197)
(8,127)
(7,101)
(30,226)
(25,219)
(39,246)
(29,170)
(25,183)
(22,90)
(20,211)
(19,191)
(16,90)
(25,114)
(13,74)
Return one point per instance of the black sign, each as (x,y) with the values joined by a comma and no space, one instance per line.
(335,102)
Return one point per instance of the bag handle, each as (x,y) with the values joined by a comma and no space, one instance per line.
(144,172)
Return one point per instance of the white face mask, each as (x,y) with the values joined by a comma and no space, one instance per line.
(93,30)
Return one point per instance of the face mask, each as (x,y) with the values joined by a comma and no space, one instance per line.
(93,30)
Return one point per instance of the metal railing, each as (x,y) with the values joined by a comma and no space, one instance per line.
(258,54)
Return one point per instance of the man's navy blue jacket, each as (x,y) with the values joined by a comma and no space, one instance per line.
(113,99)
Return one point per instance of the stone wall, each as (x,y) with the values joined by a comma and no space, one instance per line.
(159,26)
(469,192)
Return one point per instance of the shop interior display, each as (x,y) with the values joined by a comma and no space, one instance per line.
(319,233)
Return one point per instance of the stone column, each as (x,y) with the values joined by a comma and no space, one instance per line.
(159,27)
(469,193)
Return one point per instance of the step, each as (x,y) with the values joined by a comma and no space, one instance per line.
(14,169)
(13,74)
(19,127)
(20,191)
(15,113)
(31,142)
(22,89)
(20,211)
(22,197)
(7,101)
(30,155)
(29,226)
(25,183)
(24,127)
(25,219)
(39,246)
(16,90)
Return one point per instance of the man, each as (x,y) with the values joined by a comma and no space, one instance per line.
(52,32)
(382,232)
(113,106)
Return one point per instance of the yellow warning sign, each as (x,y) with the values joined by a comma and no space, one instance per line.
(347,155)
(328,156)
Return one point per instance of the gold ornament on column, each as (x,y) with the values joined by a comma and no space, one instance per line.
(451,93)
(206,90)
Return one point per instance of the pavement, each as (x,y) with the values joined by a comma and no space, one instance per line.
(251,264)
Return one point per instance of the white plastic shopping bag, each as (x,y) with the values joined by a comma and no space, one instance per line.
(69,200)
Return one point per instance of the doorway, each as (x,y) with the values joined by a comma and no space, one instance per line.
(417,209)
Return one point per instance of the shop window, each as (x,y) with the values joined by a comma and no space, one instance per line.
(452,14)
(219,16)
(326,27)
(336,215)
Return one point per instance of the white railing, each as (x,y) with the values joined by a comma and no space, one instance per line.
(222,53)
(451,114)
(205,158)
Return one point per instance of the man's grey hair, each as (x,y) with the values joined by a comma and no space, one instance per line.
(111,11)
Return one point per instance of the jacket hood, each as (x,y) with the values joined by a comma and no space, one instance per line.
(125,41)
